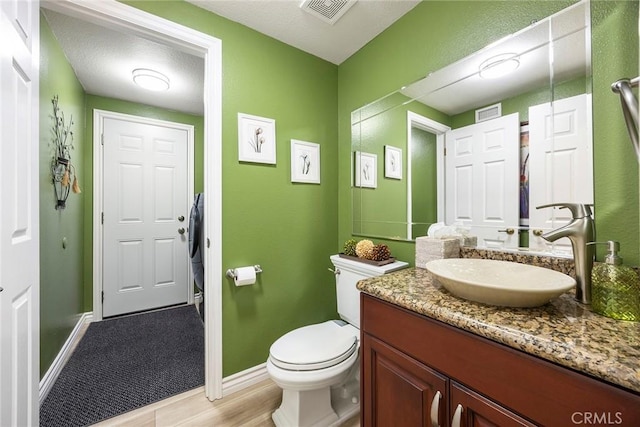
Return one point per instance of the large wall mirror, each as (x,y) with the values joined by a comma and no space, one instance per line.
(482,142)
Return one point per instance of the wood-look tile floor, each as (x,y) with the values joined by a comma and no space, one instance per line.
(251,407)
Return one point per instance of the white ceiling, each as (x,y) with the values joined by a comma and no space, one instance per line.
(284,20)
(534,49)
(103,59)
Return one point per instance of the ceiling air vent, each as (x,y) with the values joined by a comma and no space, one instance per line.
(327,10)
(488,113)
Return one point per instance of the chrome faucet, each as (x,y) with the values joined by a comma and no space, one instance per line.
(580,231)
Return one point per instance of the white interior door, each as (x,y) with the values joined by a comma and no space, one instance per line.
(560,159)
(482,180)
(19,232)
(145,203)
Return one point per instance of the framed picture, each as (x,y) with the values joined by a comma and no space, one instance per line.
(256,139)
(392,162)
(366,170)
(305,162)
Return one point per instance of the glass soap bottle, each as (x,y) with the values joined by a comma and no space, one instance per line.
(615,288)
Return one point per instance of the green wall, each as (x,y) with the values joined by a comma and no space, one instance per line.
(60,269)
(289,229)
(425,34)
(125,107)
(424,182)
(614,56)
(383,211)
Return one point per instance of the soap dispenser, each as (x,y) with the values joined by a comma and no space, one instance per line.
(615,288)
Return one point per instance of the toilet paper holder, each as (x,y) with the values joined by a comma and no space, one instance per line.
(231,273)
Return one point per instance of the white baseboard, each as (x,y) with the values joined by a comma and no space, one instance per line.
(244,379)
(54,370)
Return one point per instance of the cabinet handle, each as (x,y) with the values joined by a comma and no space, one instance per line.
(435,405)
(455,421)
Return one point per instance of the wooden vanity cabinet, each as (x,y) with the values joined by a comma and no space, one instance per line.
(417,371)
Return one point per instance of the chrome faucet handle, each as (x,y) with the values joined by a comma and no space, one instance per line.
(578,210)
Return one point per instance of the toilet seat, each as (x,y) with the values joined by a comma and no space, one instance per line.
(314,347)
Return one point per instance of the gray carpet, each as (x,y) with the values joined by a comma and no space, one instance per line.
(125,363)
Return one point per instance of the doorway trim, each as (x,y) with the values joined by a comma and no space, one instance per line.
(415,120)
(98,195)
(124,18)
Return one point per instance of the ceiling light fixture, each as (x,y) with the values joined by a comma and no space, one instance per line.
(150,79)
(499,65)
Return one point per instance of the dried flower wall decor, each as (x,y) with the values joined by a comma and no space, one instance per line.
(63,173)
(392,162)
(256,139)
(305,162)
(366,170)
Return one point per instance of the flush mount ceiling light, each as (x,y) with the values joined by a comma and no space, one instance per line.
(150,79)
(499,65)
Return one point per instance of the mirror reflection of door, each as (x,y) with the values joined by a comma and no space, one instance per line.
(482,180)
(453,94)
(561,159)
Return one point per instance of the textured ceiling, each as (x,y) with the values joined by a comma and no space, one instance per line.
(284,20)
(103,59)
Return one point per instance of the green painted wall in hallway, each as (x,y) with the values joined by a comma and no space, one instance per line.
(60,269)
(289,229)
(426,36)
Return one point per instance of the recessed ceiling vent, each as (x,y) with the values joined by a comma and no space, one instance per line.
(488,113)
(327,10)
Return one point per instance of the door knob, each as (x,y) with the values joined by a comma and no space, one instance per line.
(181,230)
(537,232)
(509,231)
(181,218)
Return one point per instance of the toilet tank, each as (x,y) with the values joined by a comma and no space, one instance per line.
(348,274)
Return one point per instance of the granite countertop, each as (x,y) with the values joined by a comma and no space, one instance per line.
(563,331)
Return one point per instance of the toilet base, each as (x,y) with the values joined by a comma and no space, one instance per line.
(324,407)
(305,409)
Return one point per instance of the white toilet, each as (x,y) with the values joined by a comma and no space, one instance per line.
(317,366)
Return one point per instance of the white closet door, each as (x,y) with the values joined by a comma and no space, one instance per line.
(19,230)
(560,164)
(482,180)
(145,209)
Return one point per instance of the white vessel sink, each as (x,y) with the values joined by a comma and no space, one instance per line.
(501,283)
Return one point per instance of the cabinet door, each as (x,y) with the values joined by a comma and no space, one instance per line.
(398,390)
(469,409)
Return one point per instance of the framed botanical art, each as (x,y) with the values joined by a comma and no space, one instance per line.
(366,170)
(392,162)
(256,139)
(305,162)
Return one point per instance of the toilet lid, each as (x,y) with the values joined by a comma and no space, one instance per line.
(314,347)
